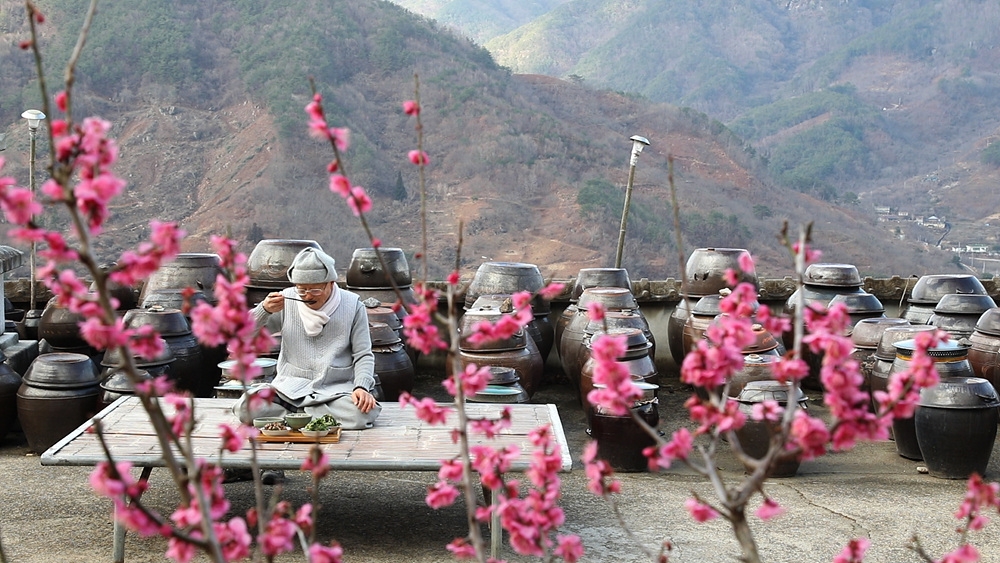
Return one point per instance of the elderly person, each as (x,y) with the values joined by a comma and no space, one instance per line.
(326,364)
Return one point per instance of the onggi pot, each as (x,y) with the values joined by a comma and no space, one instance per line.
(59,393)
(956,425)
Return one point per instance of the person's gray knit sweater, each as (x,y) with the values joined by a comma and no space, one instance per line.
(317,369)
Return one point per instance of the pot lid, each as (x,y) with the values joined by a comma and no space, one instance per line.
(988,323)
(832,275)
(265,364)
(63,370)
(600,277)
(500,391)
(767,390)
(960,393)
(503,375)
(964,304)
(613,298)
(867,332)
(859,303)
(708,306)
(886,349)
(382,334)
(117,381)
(385,315)
(944,351)
(165,321)
(171,298)
(931,288)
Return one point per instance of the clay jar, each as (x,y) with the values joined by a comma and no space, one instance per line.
(865,336)
(956,425)
(10,382)
(636,360)
(518,352)
(984,354)
(366,271)
(613,299)
(507,278)
(192,369)
(587,278)
(542,333)
(504,387)
(705,274)
(929,290)
(393,366)
(755,435)
(885,356)
(193,269)
(60,327)
(620,439)
(958,314)
(59,392)
(950,360)
(267,265)
(860,306)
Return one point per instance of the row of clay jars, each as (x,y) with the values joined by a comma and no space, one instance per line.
(928,291)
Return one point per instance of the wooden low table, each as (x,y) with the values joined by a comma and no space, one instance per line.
(399,442)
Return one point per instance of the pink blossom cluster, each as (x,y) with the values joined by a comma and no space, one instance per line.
(419,328)
(356,197)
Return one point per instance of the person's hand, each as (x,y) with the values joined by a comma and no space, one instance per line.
(364,400)
(274,302)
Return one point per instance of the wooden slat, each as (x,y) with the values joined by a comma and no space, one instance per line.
(399,440)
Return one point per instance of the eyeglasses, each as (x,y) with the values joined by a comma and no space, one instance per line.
(314,292)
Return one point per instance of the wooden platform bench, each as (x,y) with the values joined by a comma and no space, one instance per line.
(399,442)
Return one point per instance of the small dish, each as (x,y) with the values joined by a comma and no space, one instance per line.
(297,420)
(284,432)
(265,420)
(314,433)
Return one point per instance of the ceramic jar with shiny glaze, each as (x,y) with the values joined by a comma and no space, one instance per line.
(193,369)
(958,314)
(613,299)
(956,425)
(60,327)
(585,279)
(518,352)
(540,332)
(620,439)
(885,356)
(267,265)
(508,278)
(393,366)
(755,435)
(705,274)
(190,269)
(929,290)
(59,392)
(865,337)
(860,306)
(10,382)
(366,271)
(984,351)
(950,360)
(116,385)
(636,360)
(701,317)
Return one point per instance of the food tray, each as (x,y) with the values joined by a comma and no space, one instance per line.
(296,437)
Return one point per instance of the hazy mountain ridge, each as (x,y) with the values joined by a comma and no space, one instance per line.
(511,157)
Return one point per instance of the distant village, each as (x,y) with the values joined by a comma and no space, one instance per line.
(979,256)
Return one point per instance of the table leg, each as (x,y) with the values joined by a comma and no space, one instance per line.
(496,531)
(118,547)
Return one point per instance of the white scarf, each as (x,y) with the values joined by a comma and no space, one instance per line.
(313,320)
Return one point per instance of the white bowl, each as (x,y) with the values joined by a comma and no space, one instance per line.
(315,433)
(284,432)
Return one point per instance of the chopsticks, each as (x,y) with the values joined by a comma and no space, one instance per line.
(300,300)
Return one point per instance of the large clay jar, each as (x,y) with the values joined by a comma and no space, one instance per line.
(192,369)
(116,384)
(267,265)
(620,439)
(755,435)
(60,327)
(885,356)
(59,392)
(929,290)
(705,274)
(393,366)
(191,269)
(126,296)
(541,333)
(635,359)
(507,278)
(504,387)
(173,298)
(366,271)
(958,314)
(10,382)
(956,425)
(613,299)
(950,360)
(860,306)
(587,278)
(865,337)
(984,353)
(518,352)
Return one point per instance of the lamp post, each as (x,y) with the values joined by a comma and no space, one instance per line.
(34,119)
(638,143)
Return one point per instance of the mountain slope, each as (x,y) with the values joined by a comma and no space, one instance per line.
(530,168)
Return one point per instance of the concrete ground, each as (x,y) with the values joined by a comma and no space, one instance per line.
(49,514)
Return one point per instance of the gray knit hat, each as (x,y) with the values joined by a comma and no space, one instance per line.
(312,265)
